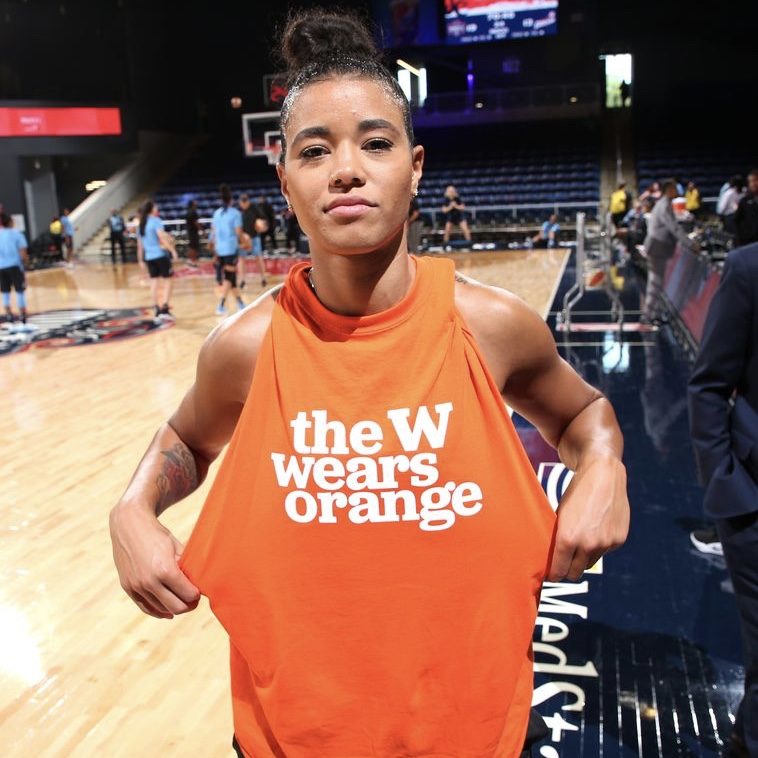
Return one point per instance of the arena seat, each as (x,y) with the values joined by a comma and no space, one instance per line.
(709,166)
(502,177)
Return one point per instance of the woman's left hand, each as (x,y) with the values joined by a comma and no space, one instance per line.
(593,518)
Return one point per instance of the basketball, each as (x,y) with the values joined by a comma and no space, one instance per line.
(246,242)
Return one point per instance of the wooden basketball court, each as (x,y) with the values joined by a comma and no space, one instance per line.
(83,672)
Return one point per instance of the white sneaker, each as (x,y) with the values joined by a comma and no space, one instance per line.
(707,541)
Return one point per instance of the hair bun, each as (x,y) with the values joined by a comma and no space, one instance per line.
(315,34)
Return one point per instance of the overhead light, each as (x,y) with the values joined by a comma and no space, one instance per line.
(478,105)
(404,79)
(236,102)
(573,99)
(95,184)
(412,69)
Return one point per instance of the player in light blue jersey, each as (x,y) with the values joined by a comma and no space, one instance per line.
(226,238)
(13,258)
(68,236)
(154,246)
(547,236)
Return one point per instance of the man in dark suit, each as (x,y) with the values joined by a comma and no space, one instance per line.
(723,404)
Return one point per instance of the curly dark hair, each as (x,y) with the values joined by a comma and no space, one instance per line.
(317,44)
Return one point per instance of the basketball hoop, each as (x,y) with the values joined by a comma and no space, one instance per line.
(262,136)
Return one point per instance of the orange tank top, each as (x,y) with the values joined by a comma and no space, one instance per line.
(375,540)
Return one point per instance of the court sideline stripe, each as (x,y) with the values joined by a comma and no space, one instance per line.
(546,310)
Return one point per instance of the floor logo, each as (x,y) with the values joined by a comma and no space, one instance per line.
(80,326)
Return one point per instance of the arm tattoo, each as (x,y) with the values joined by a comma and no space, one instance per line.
(461,279)
(178,476)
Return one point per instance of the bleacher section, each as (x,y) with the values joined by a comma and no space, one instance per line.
(172,200)
(520,186)
(506,187)
(708,166)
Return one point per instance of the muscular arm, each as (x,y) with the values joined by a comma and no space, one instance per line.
(570,414)
(177,460)
(168,472)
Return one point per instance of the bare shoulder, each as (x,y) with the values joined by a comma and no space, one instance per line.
(494,312)
(509,332)
(230,351)
(474,299)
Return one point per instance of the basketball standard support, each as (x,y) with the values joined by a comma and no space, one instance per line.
(592,262)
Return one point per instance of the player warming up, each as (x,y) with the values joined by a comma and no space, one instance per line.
(13,258)
(155,251)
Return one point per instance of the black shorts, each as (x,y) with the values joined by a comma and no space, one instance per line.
(227,260)
(12,277)
(160,268)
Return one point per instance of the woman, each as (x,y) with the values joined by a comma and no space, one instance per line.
(68,236)
(453,213)
(13,259)
(227,238)
(692,198)
(154,245)
(376,539)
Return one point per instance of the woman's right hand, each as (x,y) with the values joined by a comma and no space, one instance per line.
(146,556)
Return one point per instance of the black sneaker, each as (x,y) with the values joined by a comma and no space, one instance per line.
(736,747)
(707,541)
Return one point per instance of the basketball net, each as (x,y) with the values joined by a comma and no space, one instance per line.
(273,152)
